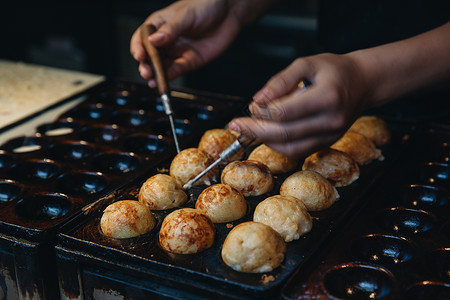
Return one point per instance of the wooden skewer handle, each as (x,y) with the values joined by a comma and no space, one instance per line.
(153,53)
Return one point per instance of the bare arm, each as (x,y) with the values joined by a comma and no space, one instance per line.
(343,87)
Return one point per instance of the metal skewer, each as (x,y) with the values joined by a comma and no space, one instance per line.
(160,74)
(241,142)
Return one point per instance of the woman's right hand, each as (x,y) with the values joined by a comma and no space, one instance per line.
(192,33)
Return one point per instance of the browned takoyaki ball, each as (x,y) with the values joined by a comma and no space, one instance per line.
(249,177)
(126,219)
(186,231)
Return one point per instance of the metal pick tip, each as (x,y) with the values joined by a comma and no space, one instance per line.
(188,185)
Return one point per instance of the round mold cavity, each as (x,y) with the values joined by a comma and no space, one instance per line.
(70,151)
(115,162)
(5,160)
(434,173)
(405,221)
(162,126)
(101,133)
(427,290)
(43,207)
(143,144)
(83,183)
(90,112)
(207,112)
(25,144)
(424,197)
(34,170)
(359,281)
(439,260)
(440,152)
(383,249)
(132,118)
(9,190)
(59,128)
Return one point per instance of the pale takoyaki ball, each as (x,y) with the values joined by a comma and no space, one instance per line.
(336,166)
(373,128)
(186,231)
(314,190)
(189,163)
(221,203)
(360,148)
(253,247)
(126,219)
(162,192)
(276,162)
(249,177)
(215,141)
(286,215)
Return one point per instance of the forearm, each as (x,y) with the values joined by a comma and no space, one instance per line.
(247,11)
(397,69)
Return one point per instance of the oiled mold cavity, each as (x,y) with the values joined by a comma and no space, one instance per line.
(405,221)
(383,249)
(162,126)
(131,118)
(5,160)
(43,207)
(358,281)
(423,197)
(82,183)
(434,173)
(90,112)
(206,112)
(72,151)
(427,290)
(9,190)
(145,144)
(101,133)
(25,144)
(59,128)
(115,162)
(34,170)
(439,261)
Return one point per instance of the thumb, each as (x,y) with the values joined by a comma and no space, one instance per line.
(284,83)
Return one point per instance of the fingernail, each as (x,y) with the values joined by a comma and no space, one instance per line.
(233,126)
(156,37)
(152,83)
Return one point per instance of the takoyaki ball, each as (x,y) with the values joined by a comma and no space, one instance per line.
(126,219)
(249,177)
(373,128)
(215,141)
(162,192)
(336,166)
(221,203)
(314,190)
(253,247)
(286,215)
(186,231)
(276,162)
(189,163)
(360,148)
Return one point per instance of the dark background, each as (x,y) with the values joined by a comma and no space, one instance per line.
(93,37)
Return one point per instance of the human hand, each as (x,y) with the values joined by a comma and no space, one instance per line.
(193,32)
(298,122)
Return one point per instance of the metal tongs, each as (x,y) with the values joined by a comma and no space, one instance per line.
(241,142)
(160,74)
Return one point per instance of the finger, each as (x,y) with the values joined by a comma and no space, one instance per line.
(145,70)
(304,147)
(168,31)
(316,99)
(275,132)
(136,48)
(284,82)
